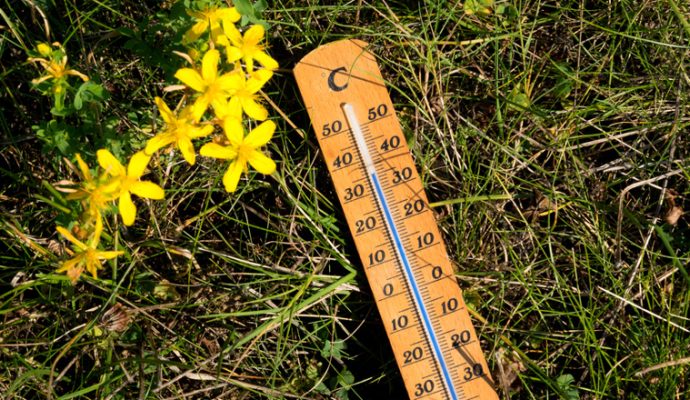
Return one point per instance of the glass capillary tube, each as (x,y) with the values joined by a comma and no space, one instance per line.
(359,138)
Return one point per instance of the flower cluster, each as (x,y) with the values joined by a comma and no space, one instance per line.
(221,91)
(228,90)
(114,183)
(96,192)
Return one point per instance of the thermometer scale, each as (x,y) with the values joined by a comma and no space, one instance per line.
(395,232)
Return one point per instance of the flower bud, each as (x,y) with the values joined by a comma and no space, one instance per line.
(44,49)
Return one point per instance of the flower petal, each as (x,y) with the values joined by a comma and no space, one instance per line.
(233,53)
(260,135)
(231,82)
(233,131)
(258,80)
(110,190)
(199,107)
(232,176)
(229,14)
(254,109)
(137,164)
(41,79)
(262,163)
(232,33)
(191,78)
(219,103)
(107,255)
(187,149)
(147,190)
(209,66)
(158,141)
(109,163)
(223,40)
(84,168)
(187,114)
(222,112)
(77,73)
(128,210)
(267,61)
(93,267)
(216,31)
(234,109)
(249,63)
(215,150)
(67,265)
(73,268)
(165,111)
(68,235)
(200,131)
(196,31)
(98,229)
(254,35)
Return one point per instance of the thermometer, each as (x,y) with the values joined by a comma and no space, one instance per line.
(395,233)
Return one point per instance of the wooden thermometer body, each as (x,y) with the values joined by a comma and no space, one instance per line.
(395,232)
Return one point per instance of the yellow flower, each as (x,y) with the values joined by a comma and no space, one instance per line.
(96,193)
(242,150)
(214,89)
(129,181)
(248,47)
(56,70)
(178,130)
(85,255)
(243,95)
(210,18)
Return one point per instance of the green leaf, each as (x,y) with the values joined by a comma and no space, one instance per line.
(251,12)
(89,92)
(244,7)
(345,381)
(346,378)
(482,7)
(260,5)
(78,102)
(507,13)
(322,388)
(333,349)
(518,99)
(565,382)
(56,135)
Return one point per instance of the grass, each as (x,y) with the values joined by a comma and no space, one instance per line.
(552,138)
